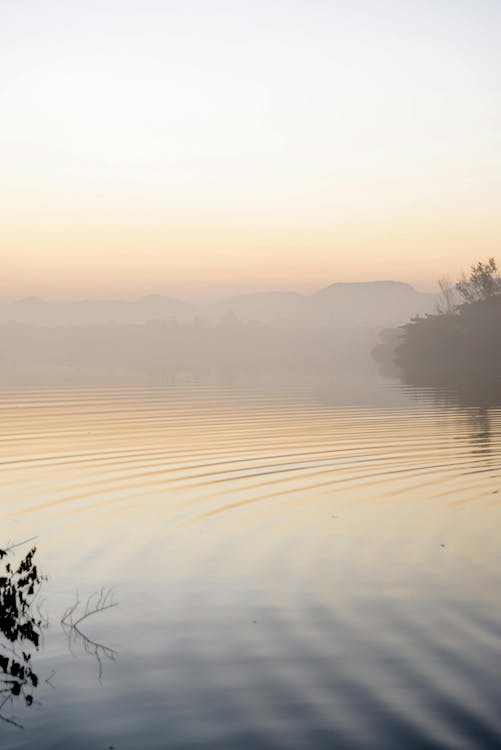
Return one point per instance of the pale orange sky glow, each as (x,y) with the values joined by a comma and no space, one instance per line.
(217,147)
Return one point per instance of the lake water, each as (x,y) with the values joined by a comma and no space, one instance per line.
(292,566)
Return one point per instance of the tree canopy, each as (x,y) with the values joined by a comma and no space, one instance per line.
(459,343)
(482,283)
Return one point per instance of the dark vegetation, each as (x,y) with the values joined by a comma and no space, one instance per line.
(22,623)
(20,630)
(458,345)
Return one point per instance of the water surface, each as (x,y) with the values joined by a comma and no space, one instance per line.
(290,568)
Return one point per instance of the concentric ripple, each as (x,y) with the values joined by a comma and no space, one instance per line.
(300,574)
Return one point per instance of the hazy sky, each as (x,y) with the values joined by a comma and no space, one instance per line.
(201,146)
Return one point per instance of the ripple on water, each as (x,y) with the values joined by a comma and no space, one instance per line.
(316,576)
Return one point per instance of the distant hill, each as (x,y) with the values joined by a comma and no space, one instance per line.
(381,303)
(376,304)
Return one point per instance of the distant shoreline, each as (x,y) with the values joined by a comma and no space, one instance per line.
(461,348)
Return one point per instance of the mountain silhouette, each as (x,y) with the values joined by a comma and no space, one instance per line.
(380,303)
(376,304)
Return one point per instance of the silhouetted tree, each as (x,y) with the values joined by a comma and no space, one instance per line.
(482,283)
(446,303)
(461,342)
(18,626)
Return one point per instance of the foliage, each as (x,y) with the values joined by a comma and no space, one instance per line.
(482,283)
(461,342)
(450,349)
(21,625)
(18,626)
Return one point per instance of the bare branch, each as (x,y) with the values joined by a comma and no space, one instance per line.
(97,602)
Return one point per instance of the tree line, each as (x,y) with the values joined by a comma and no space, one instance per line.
(460,342)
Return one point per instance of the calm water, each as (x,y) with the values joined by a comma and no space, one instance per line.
(291,569)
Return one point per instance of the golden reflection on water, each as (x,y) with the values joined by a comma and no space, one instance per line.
(202,501)
(180,457)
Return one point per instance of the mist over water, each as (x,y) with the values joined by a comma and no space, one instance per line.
(250,394)
(305,562)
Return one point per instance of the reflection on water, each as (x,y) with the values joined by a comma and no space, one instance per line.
(486,395)
(72,624)
(296,568)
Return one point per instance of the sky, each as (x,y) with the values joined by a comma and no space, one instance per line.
(208,147)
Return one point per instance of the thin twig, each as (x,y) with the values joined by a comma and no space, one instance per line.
(19,544)
(97,602)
